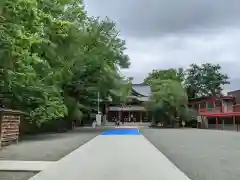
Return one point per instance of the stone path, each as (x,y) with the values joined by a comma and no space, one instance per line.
(120,154)
(201,154)
(32,166)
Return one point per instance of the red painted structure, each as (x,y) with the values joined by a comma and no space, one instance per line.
(219,108)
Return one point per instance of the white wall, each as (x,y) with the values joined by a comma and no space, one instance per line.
(228,106)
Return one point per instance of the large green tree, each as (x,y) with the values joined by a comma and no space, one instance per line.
(166,74)
(204,80)
(54,58)
(168,95)
(171,96)
(28,76)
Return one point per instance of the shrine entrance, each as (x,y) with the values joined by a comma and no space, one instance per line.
(128,114)
(133,109)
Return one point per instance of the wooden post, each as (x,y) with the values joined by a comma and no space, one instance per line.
(141,116)
(222,106)
(120,115)
(197,122)
(217,123)
(234,123)
(214,106)
(1,116)
(222,124)
(129,116)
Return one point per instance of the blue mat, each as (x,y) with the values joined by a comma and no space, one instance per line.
(122,132)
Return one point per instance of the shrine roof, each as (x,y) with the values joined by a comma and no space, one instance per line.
(142,89)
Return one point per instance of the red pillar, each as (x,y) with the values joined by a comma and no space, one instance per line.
(214,106)
(217,123)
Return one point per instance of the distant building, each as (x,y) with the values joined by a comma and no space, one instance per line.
(219,112)
(134,109)
(235,94)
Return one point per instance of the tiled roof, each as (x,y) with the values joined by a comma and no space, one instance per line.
(142,89)
(143,99)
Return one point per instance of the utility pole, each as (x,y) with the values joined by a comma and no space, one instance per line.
(98,115)
(98,102)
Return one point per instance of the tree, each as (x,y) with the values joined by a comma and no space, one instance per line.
(97,70)
(168,97)
(204,80)
(54,58)
(172,74)
(27,75)
(168,94)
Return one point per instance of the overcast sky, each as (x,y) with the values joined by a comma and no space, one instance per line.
(164,34)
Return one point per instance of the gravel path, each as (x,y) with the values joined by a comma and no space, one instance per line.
(47,147)
(16,175)
(201,154)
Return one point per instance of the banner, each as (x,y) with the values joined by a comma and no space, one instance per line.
(98,119)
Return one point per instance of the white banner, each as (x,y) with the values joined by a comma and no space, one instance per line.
(98,119)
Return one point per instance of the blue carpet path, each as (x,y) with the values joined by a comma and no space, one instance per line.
(121,132)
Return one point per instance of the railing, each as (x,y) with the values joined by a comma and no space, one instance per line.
(210,110)
(234,108)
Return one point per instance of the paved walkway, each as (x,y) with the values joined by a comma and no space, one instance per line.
(32,166)
(116,154)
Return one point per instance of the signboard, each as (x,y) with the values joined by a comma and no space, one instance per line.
(199,119)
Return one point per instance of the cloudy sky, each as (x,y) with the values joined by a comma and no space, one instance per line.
(175,33)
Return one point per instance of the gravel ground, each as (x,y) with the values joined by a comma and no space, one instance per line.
(16,175)
(47,147)
(200,154)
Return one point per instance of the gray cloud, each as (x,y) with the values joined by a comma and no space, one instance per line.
(175,51)
(157,17)
(164,34)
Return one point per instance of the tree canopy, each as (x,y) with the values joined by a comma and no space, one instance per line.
(171,96)
(168,95)
(171,89)
(54,58)
(204,80)
(166,74)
